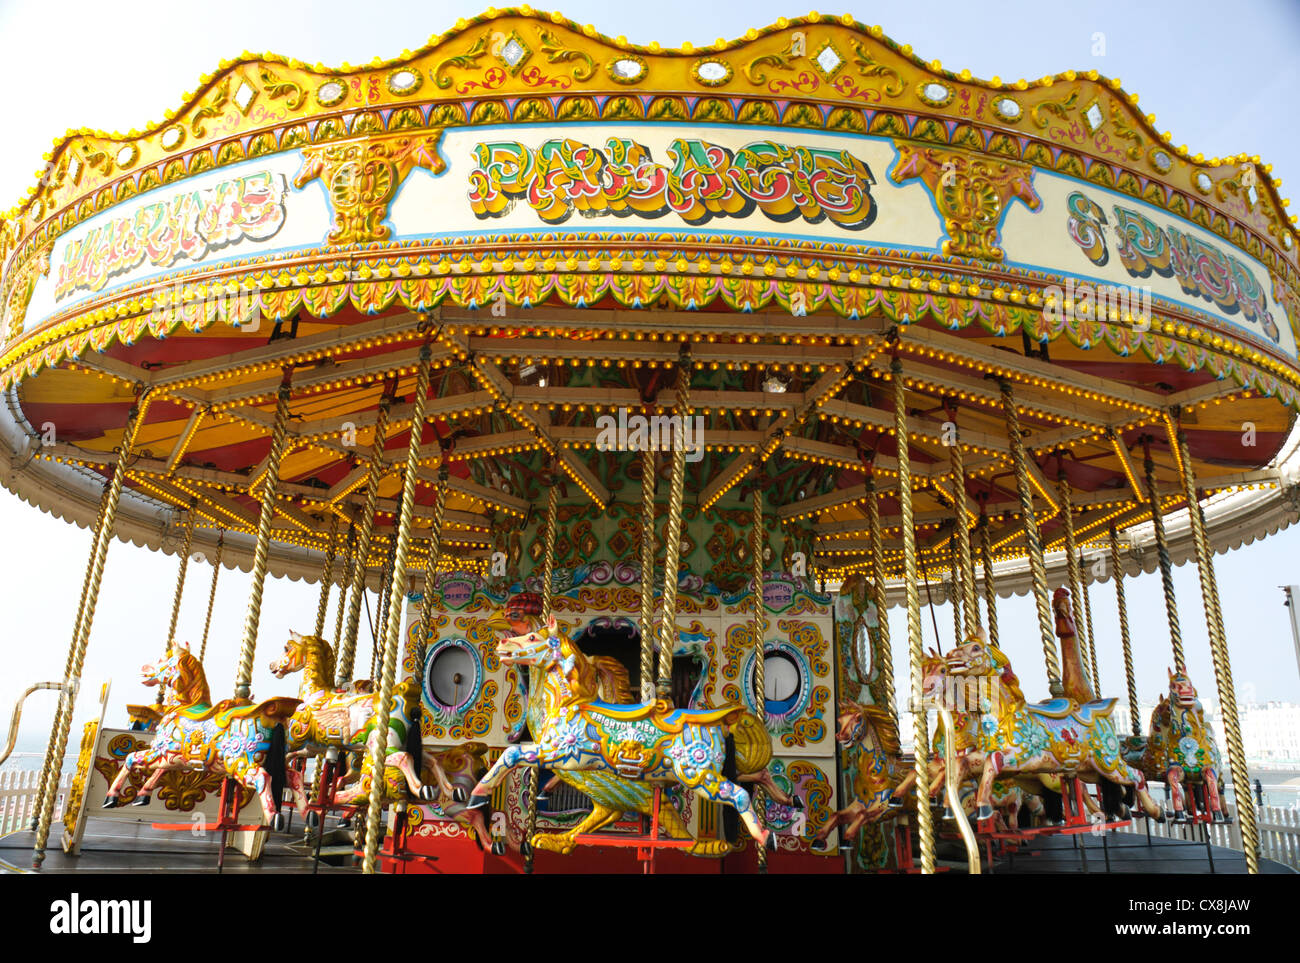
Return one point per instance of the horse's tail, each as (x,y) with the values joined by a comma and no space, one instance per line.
(276,764)
(1112,798)
(730,771)
(751,743)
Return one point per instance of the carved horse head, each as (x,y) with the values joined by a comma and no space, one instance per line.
(1181,691)
(858,723)
(182,673)
(301,651)
(978,658)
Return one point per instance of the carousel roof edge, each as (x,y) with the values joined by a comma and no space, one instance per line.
(562,43)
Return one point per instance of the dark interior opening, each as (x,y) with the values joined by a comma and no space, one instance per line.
(621,640)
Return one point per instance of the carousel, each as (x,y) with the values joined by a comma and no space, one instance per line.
(639,382)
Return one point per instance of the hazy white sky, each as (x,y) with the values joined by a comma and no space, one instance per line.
(1222,79)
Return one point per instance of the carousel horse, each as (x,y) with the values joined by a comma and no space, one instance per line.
(233,738)
(344,719)
(877,777)
(614,752)
(1180,748)
(1017,738)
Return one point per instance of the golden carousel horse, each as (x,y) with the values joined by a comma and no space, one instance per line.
(615,752)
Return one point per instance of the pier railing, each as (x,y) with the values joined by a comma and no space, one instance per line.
(18,797)
(1279,833)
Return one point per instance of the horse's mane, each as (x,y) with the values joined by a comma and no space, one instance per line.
(595,677)
(1002,665)
(324,655)
(191,685)
(886,729)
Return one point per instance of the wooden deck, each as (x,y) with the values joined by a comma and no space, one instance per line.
(1125,853)
(114,846)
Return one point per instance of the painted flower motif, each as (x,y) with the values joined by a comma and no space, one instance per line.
(1189,748)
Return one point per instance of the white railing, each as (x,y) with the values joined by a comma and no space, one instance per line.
(1279,833)
(18,797)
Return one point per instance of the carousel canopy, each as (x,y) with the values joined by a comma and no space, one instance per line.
(563,219)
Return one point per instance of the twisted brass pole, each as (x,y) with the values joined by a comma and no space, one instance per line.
(99,555)
(648,467)
(548,570)
(1222,663)
(435,550)
(186,541)
(886,667)
(1033,543)
(1087,618)
(382,602)
(212,594)
(270,482)
(349,560)
(72,651)
(990,588)
(1166,565)
(924,818)
(348,645)
(1122,605)
(955,590)
(1072,567)
(673,535)
(756,545)
(327,577)
(393,624)
(957,458)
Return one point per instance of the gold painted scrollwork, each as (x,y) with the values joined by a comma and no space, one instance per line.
(361,178)
(556,53)
(1058,107)
(276,88)
(868,66)
(212,108)
(466,61)
(971,193)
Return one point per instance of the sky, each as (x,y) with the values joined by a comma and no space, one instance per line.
(1221,79)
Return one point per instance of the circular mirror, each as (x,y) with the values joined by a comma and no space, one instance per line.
(450,677)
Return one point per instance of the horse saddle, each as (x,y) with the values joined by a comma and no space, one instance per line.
(661,715)
(1086,714)
(229,711)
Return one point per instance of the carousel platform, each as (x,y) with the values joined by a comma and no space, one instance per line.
(114,846)
(1127,853)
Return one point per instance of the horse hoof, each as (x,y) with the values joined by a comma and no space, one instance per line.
(525,849)
(458,794)
(313,820)
(947,812)
(895,803)
(345,822)
(498,848)
(769,842)
(820,846)
(1180,816)
(1219,817)
(141,800)
(427,792)
(477,801)
(984,812)
(110,802)
(280,823)
(796,802)
(542,799)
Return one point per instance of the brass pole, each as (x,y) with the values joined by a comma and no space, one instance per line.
(955,589)
(924,818)
(548,570)
(1072,567)
(673,535)
(270,482)
(1222,664)
(1166,565)
(435,549)
(760,654)
(382,601)
(1033,543)
(327,577)
(348,645)
(990,588)
(186,541)
(1087,618)
(648,467)
(886,667)
(99,555)
(970,610)
(72,650)
(349,561)
(212,594)
(1122,605)
(393,625)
